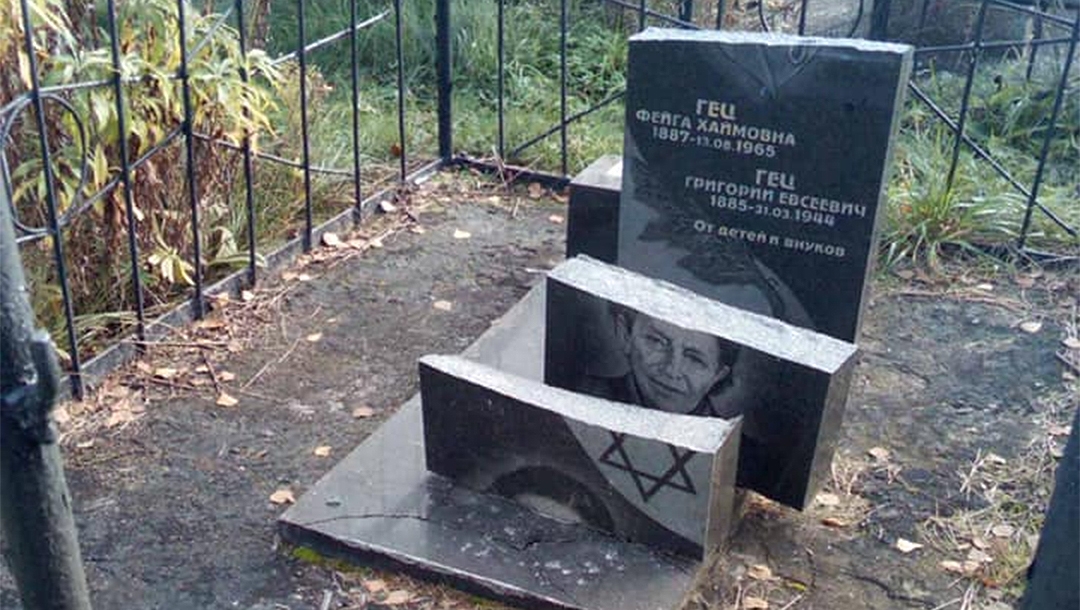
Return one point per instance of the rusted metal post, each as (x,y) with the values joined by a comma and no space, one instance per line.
(35,508)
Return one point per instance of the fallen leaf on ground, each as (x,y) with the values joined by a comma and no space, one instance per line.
(1071,342)
(398,597)
(979,543)
(985,286)
(833,522)
(879,453)
(979,556)
(443,305)
(246,295)
(387,207)
(289,276)
(905,274)
(1058,430)
(362,412)
(954,567)
(304,277)
(1057,452)
(536,190)
(85,444)
(225,400)
(202,368)
(759,571)
(375,585)
(907,546)
(313,337)
(828,499)
(754,603)
(419,230)
(144,367)
(166,372)
(283,496)
(994,458)
(211,324)
(322,451)
(118,417)
(226,376)
(556,218)
(331,239)
(1025,281)
(459,234)
(1031,326)
(1003,530)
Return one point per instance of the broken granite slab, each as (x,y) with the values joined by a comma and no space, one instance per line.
(619,335)
(380,506)
(662,479)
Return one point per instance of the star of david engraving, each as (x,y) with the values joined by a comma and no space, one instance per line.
(648,484)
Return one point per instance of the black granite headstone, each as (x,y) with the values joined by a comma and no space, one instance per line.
(592,220)
(620,335)
(666,480)
(754,165)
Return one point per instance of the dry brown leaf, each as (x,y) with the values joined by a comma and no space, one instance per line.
(396,598)
(313,337)
(754,603)
(907,546)
(557,219)
(954,567)
(443,305)
(202,368)
(304,277)
(879,453)
(363,412)
(289,276)
(246,295)
(459,234)
(375,585)
(1031,326)
(419,230)
(225,400)
(332,240)
(387,207)
(905,274)
(979,556)
(165,372)
(226,376)
(994,458)
(979,543)
(1071,342)
(833,522)
(985,287)
(1058,430)
(85,444)
(322,451)
(1025,281)
(211,324)
(536,190)
(759,571)
(119,417)
(1003,530)
(144,367)
(375,242)
(828,499)
(283,496)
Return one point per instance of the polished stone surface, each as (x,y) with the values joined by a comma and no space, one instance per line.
(754,168)
(592,220)
(380,506)
(617,334)
(663,479)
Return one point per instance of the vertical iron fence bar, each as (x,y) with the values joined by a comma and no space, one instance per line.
(965,101)
(249,191)
(563,78)
(880,11)
(1058,99)
(802,17)
(399,42)
(301,55)
(358,208)
(189,144)
(922,22)
(721,9)
(641,12)
(125,172)
(444,63)
(50,204)
(686,10)
(1036,31)
(500,78)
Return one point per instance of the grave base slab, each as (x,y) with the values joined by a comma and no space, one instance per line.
(380,506)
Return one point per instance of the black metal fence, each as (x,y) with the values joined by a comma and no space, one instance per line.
(35,111)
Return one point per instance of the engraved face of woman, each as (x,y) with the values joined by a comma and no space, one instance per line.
(673,368)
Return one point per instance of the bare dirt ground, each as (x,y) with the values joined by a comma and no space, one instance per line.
(180,463)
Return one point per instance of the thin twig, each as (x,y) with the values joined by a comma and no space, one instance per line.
(792,602)
(213,374)
(948,603)
(198,344)
(327,597)
(269,364)
(171,384)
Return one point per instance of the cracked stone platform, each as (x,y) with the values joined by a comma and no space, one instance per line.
(380,506)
